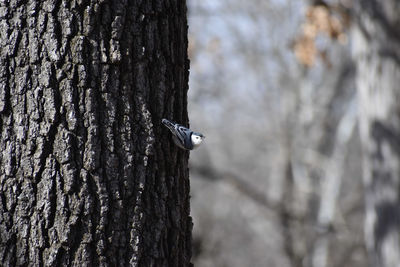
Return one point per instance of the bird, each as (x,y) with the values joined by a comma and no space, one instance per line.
(182,136)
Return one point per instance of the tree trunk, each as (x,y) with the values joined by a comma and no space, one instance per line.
(88,176)
(377,54)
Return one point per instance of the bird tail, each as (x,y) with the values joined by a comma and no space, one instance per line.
(168,124)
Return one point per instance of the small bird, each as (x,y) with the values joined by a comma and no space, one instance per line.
(182,136)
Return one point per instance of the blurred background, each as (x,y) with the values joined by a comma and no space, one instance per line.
(279,179)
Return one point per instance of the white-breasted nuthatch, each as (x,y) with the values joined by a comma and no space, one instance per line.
(182,136)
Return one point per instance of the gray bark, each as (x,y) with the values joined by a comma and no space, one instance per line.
(377,55)
(330,189)
(88,176)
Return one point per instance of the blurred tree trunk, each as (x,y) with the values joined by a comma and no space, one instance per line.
(377,55)
(88,176)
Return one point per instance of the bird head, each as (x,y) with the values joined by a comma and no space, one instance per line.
(197,138)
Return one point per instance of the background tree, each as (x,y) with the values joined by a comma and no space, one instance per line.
(273,88)
(282,90)
(377,55)
(88,176)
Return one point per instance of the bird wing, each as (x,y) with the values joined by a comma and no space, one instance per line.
(182,135)
(181,132)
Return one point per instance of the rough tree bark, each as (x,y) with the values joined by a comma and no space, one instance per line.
(377,55)
(88,176)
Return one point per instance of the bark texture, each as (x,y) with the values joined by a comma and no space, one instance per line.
(88,176)
(377,54)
